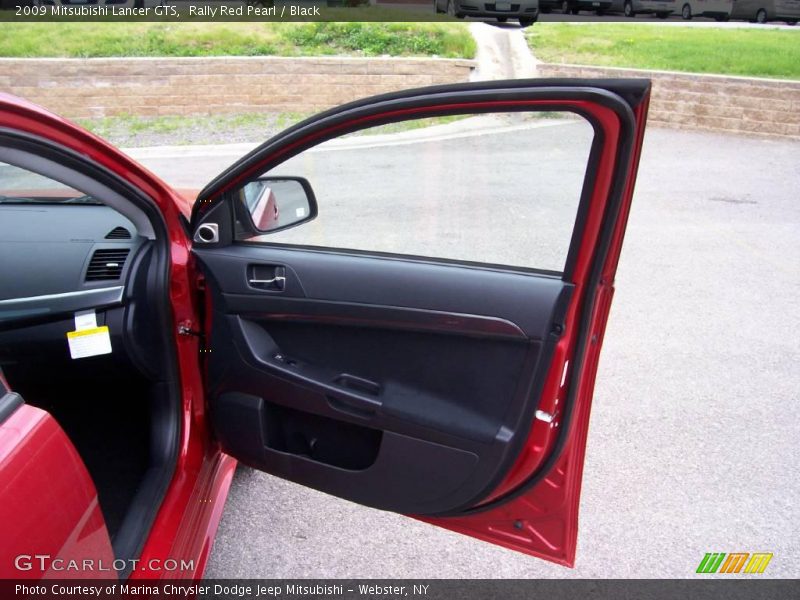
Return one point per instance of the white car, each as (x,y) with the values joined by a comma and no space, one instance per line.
(715,9)
(630,8)
(525,11)
(763,11)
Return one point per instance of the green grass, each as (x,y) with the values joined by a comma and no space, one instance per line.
(83,40)
(409,125)
(107,127)
(128,130)
(451,40)
(752,52)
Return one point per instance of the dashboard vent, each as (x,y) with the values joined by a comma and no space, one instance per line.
(106,264)
(119,233)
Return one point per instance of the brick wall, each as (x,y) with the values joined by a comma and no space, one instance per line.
(98,87)
(710,102)
(79,88)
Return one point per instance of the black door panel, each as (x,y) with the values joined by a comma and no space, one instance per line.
(371,315)
(526,300)
(409,382)
(397,381)
(397,464)
(433,438)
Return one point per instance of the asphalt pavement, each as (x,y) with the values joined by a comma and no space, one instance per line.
(693,444)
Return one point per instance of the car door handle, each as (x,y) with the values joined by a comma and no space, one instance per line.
(357,406)
(267,277)
(358,384)
(277,279)
(359,396)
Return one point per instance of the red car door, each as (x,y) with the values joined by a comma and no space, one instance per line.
(49,509)
(457,392)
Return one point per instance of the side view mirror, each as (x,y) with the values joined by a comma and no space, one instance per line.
(276,203)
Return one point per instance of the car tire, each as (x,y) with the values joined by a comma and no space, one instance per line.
(761,16)
(686,12)
(526,22)
(451,10)
(627,9)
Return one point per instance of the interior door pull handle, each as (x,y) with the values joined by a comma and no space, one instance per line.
(278,280)
(267,277)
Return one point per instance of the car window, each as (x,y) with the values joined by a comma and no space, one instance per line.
(493,188)
(20,186)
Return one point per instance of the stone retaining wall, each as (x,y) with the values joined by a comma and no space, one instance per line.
(99,87)
(80,88)
(710,102)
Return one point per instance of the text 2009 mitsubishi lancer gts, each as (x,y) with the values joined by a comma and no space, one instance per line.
(148,341)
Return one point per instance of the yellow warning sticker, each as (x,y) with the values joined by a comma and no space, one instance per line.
(89,342)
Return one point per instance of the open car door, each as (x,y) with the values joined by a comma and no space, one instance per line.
(383,355)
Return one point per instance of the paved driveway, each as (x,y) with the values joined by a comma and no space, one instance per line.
(693,439)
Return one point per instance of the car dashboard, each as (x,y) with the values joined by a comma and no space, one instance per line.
(62,258)
(59,259)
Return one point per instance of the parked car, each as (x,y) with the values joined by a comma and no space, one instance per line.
(576,6)
(149,341)
(525,11)
(719,10)
(630,8)
(548,6)
(763,11)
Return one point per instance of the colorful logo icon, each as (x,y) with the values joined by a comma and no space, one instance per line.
(735,562)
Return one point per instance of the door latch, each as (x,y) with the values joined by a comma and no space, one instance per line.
(547,417)
(185,328)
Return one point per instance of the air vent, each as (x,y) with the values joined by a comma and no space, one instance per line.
(119,233)
(106,264)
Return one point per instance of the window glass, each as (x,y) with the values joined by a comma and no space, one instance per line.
(20,186)
(498,188)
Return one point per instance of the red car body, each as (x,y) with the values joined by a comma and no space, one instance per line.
(39,466)
(192,507)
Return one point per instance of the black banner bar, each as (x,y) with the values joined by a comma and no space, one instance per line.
(716,587)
